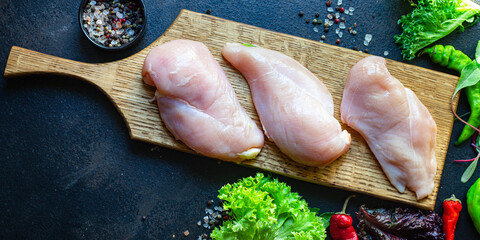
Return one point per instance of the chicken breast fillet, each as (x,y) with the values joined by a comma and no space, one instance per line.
(198,104)
(294,106)
(397,127)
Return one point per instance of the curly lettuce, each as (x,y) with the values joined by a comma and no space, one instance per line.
(262,208)
(432,20)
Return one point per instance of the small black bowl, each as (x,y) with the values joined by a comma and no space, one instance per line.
(138,34)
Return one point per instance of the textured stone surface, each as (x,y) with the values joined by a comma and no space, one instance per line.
(69,170)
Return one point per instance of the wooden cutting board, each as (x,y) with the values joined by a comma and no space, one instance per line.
(356,171)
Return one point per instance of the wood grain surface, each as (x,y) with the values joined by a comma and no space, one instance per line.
(356,171)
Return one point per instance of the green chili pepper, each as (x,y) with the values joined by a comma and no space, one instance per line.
(448,57)
(473,204)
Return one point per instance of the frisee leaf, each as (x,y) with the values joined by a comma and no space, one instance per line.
(264,208)
(431,20)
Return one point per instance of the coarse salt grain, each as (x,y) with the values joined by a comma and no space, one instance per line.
(368,37)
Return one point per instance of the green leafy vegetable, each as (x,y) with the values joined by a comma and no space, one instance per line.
(248,45)
(471,168)
(432,20)
(325,217)
(470,76)
(262,208)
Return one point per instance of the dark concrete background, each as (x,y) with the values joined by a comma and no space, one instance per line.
(68,169)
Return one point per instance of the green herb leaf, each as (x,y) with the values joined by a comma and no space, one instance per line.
(325,217)
(477,54)
(469,77)
(248,45)
(469,171)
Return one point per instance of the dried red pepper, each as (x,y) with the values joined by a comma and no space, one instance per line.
(451,210)
(341,225)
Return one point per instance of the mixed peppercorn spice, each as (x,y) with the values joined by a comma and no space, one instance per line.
(113,23)
(336,18)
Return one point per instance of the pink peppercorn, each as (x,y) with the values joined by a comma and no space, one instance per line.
(337,20)
(341,9)
(329,3)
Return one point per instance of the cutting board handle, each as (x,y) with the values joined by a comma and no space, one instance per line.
(23,62)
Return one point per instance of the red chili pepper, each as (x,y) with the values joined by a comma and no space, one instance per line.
(451,210)
(341,225)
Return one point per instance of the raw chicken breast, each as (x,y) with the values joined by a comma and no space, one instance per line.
(197,103)
(294,106)
(396,125)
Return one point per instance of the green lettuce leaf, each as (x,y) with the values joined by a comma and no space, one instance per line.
(265,209)
(432,20)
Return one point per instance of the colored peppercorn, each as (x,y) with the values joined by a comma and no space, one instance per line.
(337,20)
(448,57)
(473,204)
(338,41)
(451,210)
(300,14)
(341,225)
(329,3)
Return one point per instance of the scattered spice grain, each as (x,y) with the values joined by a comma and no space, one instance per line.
(300,14)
